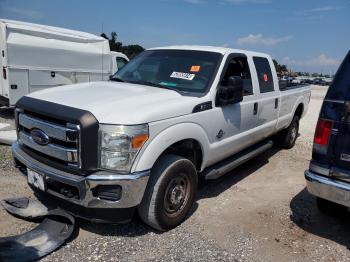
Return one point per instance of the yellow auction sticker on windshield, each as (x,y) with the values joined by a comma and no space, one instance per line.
(195,69)
(181,75)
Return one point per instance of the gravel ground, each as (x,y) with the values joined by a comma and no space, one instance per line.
(259,212)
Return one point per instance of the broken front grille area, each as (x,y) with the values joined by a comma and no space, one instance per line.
(62,139)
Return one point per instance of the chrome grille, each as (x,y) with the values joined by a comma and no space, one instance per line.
(64,140)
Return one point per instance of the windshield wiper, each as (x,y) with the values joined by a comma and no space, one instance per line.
(117,79)
(155,85)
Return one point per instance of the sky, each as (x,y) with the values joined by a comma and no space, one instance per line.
(309,35)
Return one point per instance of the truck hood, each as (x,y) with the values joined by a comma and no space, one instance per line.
(121,103)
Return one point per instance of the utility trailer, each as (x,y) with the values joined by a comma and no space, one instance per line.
(34,57)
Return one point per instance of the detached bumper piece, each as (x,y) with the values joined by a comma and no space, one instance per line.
(25,208)
(56,228)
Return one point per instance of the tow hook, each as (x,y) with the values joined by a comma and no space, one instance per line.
(55,229)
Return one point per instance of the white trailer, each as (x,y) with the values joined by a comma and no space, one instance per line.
(34,57)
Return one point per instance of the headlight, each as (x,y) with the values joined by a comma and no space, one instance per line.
(119,145)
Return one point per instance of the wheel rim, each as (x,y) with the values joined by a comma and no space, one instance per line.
(293,133)
(177,195)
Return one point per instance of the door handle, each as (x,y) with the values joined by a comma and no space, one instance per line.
(255,108)
(276,103)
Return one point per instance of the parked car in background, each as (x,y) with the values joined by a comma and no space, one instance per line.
(141,141)
(328,177)
(34,57)
(308,81)
(290,82)
(296,81)
(319,81)
(328,81)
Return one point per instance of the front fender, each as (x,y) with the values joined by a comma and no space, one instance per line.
(166,138)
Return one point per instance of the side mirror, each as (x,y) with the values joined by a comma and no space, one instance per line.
(231,92)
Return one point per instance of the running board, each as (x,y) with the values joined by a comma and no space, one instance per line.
(231,163)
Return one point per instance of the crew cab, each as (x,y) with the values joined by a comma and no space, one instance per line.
(328,177)
(142,140)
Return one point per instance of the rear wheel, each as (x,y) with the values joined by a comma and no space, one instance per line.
(170,193)
(329,208)
(287,137)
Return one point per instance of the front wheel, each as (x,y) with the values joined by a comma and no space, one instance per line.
(170,193)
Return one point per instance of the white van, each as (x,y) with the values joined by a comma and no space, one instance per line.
(34,57)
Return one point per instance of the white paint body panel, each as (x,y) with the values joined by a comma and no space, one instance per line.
(50,56)
(121,103)
(170,118)
(4,86)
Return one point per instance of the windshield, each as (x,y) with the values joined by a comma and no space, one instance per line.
(180,70)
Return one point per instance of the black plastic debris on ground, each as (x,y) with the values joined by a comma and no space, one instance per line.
(56,228)
(24,207)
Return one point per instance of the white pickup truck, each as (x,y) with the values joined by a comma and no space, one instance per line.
(141,141)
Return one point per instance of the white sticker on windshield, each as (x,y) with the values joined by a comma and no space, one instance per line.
(181,75)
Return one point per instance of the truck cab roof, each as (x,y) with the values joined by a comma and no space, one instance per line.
(216,49)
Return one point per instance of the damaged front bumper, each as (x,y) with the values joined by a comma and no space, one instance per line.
(102,196)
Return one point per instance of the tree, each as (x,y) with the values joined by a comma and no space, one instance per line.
(280,68)
(114,44)
(130,50)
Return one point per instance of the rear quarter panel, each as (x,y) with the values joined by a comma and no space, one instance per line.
(290,100)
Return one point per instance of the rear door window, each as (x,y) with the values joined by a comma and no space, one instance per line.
(263,70)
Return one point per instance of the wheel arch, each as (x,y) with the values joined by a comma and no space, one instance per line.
(299,111)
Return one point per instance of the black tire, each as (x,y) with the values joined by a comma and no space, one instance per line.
(165,205)
(329,208)
(287,137)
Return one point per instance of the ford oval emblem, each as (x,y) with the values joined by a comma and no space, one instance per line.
(40,137)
